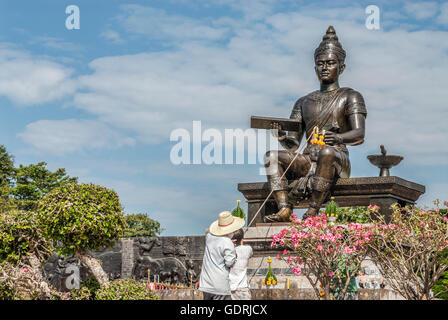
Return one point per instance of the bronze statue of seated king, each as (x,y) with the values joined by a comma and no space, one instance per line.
(339,115)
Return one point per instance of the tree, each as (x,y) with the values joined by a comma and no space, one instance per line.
(22,187)
(6,172)
(141,225)
(34,181)
(411,250)
(22,243)
(82,217)
(328,255)
(21,236)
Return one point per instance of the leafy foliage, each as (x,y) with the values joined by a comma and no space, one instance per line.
(125,289)
(25,185)
(81,216)
(34,181)
(21,234)
(352,214)
(6,171)
(141,225)
(87,291)
(411,250)
(440,289)
(7,204)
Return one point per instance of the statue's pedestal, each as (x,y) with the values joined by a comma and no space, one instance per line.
(260,238)
(362,191)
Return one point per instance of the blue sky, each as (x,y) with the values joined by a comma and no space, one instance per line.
(102,101)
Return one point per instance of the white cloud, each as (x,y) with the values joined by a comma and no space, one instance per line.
(264,67)
(72,135)
(55,43)
(251,9)
(159,25)
(222,71)
(29,80)
(421,10)
(112,36)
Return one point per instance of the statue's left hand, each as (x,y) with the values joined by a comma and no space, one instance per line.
(332,138)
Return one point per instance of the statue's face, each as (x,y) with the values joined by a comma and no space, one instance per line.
(328,67)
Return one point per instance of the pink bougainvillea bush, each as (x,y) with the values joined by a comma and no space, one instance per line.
(328,255)
(411,249)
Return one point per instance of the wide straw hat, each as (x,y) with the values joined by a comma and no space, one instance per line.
(226,224)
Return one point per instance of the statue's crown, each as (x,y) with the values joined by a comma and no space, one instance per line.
(330,35)
(330,43)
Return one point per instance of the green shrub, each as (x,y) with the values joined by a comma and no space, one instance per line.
(92,284)
(125,289)
(20,235)
(440,289)
(353,214)
(87,291)
(6,292)
(82,293)
(81,217)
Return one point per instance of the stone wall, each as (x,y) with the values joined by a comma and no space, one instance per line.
(66,273)
(179,260)
(169,259)
(282,294)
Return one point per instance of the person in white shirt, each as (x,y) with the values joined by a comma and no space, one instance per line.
(219,257)
(239,286)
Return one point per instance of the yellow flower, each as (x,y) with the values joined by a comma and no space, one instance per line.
(274,282)
(322,293)
(238,201)
(331,198)
(268,283)
(269,260)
